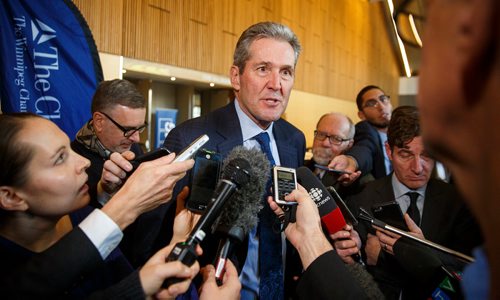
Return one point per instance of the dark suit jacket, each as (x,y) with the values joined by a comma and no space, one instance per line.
(224,130)
(445,220)
(54,271)
(367,150)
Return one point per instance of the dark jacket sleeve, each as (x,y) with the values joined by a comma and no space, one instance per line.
(328,278)
(54,270)
(129,288)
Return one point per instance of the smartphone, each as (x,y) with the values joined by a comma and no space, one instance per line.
(332,170)
(152,155)
(203,179)
(284,182)
(190,150)
(390,213)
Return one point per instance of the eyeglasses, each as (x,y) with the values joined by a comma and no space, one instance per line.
(334,139)
(384,99)
(127,131)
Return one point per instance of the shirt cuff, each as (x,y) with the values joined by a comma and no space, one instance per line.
(102,232)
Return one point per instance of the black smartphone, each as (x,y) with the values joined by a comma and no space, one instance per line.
(152,155)
(203,179)
(340,172)
(390,213)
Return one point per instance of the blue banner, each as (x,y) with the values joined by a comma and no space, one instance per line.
(49,63)
(165,121)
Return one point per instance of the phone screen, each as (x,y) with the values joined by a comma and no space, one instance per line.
(390,213)
(203,179)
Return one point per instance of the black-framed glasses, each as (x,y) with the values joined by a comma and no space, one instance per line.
(382,99)
(334,139)
(127,131)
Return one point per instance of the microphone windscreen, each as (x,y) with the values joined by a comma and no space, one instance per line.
(331,216)
(243,207)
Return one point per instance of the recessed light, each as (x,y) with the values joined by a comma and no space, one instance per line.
(212,84)
(173,78)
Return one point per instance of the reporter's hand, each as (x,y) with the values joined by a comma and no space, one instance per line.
(185,220)
(372,249)
(306,234)
(115,170)
(156,270)
(230,288)
(148,187)
(345,163)
(346,243)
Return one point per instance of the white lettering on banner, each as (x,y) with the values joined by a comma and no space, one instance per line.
(53,110)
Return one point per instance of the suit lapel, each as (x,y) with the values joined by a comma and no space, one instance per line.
(287,153)
(228,127)
(433,208)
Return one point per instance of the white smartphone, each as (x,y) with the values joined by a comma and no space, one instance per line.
(190,150)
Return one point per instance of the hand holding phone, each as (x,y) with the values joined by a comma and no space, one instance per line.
(340,172)
(191,150)
(152,155)
(391,214)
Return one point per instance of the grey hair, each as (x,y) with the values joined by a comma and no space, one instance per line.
(259,31)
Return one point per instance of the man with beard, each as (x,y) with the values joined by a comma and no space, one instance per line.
(333,136)
(367,153)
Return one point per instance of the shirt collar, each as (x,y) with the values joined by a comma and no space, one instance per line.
(248,127)
(401,189)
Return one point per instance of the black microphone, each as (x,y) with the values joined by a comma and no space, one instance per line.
(331,216)
(241,213)
(427,271)
(236,174)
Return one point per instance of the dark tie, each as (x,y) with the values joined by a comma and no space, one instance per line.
(270,261)
(413,211)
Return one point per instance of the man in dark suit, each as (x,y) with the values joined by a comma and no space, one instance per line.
(262,76)
(434,208)
(367,153)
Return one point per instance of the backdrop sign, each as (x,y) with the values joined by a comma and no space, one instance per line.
(165,121)
(49,63)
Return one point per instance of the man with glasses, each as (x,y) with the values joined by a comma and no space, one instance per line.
(118,117)
(367,153)
(334,135)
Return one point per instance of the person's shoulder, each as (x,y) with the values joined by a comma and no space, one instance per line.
(370,188)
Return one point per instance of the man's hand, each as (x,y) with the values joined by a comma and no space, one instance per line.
(305,234)
(345,163)
(372,249)
(185,220)
(346,243)
(156,270)
(388,239)
(115,170)
(230,288)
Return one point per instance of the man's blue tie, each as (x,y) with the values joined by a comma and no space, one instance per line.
(270,258)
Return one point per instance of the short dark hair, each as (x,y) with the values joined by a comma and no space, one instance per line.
(14,155)
(116,92)
(259,31)
(404,126)
(361,93)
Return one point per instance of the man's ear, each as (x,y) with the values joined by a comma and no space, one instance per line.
(97,121)
(11,200)
(361,115)
(234,74)
(388,150)
(477,43)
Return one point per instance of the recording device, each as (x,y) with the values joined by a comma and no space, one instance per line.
(190,150)
(330,213)
(152,155)
(236,174)
(240,214)
(203,179)
(390,213)
(365,216)
(340,172)
(284,182)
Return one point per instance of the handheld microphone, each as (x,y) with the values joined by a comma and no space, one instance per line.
(236,174)
(241,213)
(427,271)
(331,216)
